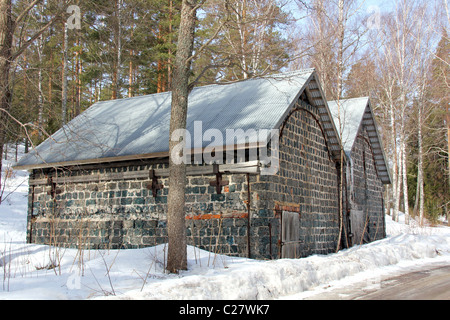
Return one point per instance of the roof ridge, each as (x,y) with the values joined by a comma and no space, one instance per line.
(136,97)
(299,71)
(277,75)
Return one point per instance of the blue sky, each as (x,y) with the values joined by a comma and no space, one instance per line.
(383,5)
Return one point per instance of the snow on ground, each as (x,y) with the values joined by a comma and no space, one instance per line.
(31,272)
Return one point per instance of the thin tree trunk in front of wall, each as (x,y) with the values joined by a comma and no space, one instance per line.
(340,71)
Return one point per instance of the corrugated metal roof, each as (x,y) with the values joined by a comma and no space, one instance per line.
(355,113)
(351,115)
(140,126)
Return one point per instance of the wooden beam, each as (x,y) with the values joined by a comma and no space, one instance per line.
(93,161)
(252,167)
(143,157)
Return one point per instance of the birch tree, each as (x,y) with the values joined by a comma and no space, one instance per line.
(244,39)
(398,53)
(403,57)
(439,149)
(336,35)
(424,69)
(39,49)
(118,48)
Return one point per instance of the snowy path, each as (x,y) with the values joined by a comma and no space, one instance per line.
(430,281)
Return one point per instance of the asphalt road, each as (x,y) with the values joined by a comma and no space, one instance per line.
(432,283)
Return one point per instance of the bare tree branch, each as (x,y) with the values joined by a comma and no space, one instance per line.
(25,12)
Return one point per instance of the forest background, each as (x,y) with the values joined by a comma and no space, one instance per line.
(69,55)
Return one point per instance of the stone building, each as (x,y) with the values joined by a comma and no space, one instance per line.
(262,172)
(366,170)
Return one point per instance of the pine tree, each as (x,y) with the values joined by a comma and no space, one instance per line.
(8,55)
(176,225)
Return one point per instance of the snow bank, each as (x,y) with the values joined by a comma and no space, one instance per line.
(245,279)
(43,272)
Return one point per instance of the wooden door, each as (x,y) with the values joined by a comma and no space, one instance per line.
(290,235)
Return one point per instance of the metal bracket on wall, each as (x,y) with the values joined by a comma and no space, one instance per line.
(154,185)
(53,191)
(218,183)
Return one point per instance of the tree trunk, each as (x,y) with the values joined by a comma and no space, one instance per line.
(394,168)
(416,201)
(130,76)
(339,77)
(405,181)
(169,61)
(6,37)
(40,100)
(40,47)
(399,184)
(64,76)
(448,142)
(161,77)
(50,79)
(420,168)
(176,225)
(118,35)
(79,87)
(78,69)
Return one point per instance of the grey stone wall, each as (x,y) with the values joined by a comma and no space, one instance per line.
(306,184)
(367,192)
(125,215)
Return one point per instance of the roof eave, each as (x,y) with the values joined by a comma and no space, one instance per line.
(387,179)
(63,164)
(330,132)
